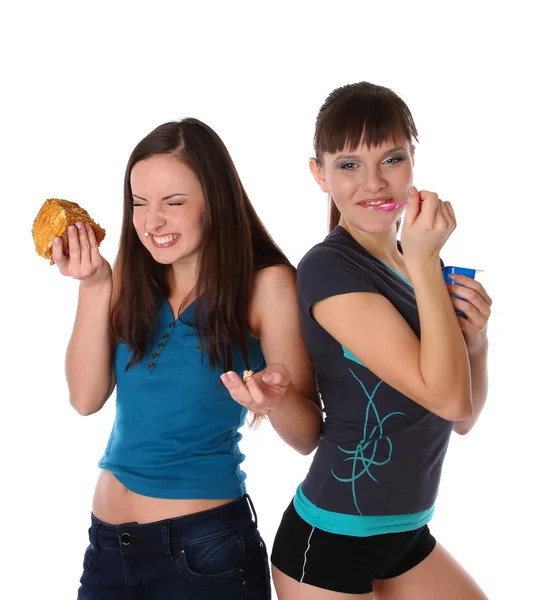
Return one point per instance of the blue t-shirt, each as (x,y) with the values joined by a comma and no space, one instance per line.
(176,426)
(378,466)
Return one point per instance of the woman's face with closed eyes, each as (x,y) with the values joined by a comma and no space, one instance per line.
(169,209)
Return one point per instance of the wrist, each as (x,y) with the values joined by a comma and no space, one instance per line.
(104,284)
(478,347)
(421,270)
(285,401)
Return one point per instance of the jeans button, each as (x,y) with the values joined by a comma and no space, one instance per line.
(125,539)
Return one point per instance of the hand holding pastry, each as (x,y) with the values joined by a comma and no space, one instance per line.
(85,262)
(66,234)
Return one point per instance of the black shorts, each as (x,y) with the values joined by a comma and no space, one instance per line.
(344,563)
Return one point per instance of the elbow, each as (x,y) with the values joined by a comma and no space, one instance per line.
(84,406)
(306,450)
(312,440)
(464,410)
(308,446)
(88,401)
(463,427)
(83,409)
(458,409)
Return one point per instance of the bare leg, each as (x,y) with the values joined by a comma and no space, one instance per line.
(438,577)
(289,589)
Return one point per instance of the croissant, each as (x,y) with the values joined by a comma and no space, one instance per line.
(53,219)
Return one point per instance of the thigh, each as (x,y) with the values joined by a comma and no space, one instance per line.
(307,558)
(289,589)
(438,577)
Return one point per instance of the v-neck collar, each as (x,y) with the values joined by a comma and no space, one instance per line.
(168,316)
(342,230)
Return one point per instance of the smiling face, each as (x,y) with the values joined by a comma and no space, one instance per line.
(169,209)
(360,180)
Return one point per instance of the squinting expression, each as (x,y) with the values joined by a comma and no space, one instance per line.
(169,208)
(362,179)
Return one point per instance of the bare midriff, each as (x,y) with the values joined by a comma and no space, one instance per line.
(115,504)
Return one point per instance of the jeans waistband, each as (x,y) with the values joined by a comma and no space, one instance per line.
(164,536)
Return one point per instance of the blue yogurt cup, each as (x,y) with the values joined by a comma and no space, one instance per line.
(447,271)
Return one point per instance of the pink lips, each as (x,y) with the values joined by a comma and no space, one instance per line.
(369,203)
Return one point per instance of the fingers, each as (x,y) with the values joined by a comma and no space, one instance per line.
(413,204)
(474,307)
(276,374)
(449,213)
(471,313)
(436,212)
(91,238)
(258,398)
(468,328)
(84,244)
(84,258)
(58,256)
(237,388)
(94,250)
(74,244)
(262,393)
(471,283)
(248,395)
(472,297)
(431,209)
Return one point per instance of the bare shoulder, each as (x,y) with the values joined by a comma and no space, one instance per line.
(273,279)
(274,291)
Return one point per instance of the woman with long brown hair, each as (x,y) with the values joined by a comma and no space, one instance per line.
(199,294)
(398,370)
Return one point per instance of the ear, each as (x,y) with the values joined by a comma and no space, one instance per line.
(412,151)
(318,173)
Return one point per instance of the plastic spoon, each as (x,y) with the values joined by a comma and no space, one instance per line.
(392,206)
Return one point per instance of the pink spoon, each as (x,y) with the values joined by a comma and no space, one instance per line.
(392,206)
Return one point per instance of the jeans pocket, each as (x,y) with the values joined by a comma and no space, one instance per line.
(89,556)
(218,559)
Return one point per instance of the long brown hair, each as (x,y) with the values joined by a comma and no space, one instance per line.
(235,245)
(360,113)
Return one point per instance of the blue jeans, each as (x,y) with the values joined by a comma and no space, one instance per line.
(215,554)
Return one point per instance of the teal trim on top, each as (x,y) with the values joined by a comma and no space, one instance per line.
(351,356)
(393,271)
(356,525)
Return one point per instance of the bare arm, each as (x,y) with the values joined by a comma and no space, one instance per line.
(286,389)
(370,327)
(89,358)
(433,370)
(479,378)
(473,300)
(298,418)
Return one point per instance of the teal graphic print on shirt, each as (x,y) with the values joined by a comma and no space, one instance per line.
(364,455)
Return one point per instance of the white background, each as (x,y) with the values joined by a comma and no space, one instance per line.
(84,82)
